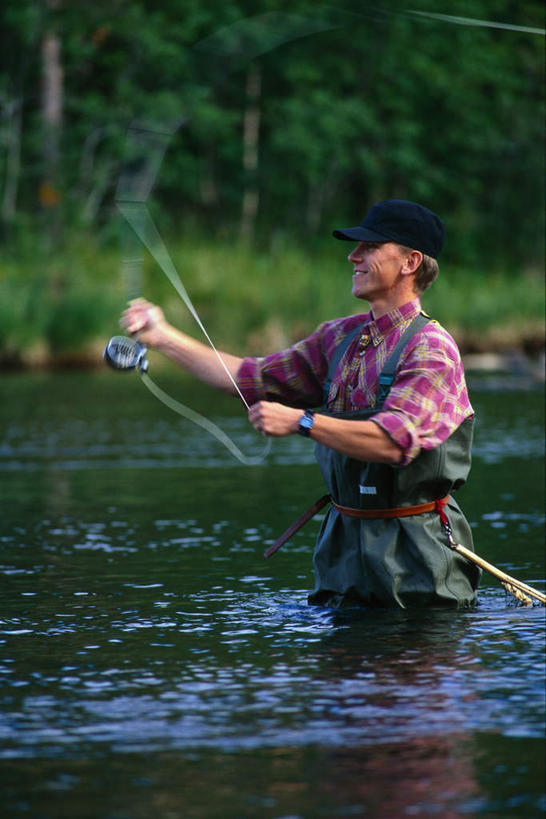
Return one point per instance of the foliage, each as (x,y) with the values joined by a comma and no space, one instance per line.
(251,301)
(355,104)
(377,104)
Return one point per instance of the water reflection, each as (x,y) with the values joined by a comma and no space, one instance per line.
(137,444)
(145,641)
(434,775)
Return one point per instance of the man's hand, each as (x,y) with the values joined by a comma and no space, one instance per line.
(274,419)
(146,321)
(360,439)
(148,324)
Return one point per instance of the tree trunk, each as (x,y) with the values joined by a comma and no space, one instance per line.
(52,115)
(251,136)
(13,161)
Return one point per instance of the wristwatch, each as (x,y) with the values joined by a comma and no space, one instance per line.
(305,424)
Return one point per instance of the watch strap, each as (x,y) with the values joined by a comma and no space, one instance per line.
(306,422)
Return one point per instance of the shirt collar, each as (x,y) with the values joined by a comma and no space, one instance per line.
(380,328)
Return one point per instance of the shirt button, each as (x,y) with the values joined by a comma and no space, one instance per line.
(363,343)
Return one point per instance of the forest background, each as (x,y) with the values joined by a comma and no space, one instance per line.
(263,126)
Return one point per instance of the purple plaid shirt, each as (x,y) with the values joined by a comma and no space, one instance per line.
(427,401)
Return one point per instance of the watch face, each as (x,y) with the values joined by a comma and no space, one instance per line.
(306,424)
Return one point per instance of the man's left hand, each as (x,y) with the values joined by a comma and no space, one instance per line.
(274,419)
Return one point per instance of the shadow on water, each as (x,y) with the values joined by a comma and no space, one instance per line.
(153,663)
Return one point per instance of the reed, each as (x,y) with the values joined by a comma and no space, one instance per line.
(251,300)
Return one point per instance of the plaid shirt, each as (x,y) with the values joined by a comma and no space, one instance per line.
(427,401)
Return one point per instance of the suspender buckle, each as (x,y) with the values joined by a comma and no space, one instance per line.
(385,383)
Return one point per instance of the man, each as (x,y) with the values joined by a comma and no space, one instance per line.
(394,433)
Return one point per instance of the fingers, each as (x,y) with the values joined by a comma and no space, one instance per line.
(273,419)
(139,316)
(259,416)
(254,414)
(132,323)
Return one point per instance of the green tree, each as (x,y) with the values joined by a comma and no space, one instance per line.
(353,105)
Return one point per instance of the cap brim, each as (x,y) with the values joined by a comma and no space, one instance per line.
(359,234)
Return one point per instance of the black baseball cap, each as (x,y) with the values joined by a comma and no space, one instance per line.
(400,221)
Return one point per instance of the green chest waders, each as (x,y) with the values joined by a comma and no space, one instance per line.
(384,560)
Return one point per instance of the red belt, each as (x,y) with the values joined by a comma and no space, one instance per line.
(400,512)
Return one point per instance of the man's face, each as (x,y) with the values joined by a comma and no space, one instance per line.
(376,269)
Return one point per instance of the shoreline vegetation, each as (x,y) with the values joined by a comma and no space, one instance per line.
(58,310)
(248,133)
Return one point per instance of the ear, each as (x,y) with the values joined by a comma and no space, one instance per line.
(412,262)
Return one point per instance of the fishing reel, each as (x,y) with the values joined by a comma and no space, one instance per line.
(123,353)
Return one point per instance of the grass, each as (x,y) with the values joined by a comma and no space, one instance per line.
(54,307)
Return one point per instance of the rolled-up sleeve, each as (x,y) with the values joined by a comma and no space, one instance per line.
(293,376)
(428,399)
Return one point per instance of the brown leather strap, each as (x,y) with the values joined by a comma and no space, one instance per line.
(400,512)
(301,521)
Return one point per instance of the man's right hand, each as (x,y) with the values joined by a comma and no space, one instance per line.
(145,321)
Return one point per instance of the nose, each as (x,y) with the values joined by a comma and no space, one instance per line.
(356,254)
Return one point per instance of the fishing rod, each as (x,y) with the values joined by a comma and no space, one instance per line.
(231,48)
(125,354)
(521,591)
(227,50)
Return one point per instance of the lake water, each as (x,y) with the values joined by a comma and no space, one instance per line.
(153,664)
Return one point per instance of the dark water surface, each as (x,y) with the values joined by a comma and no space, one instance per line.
(153,664)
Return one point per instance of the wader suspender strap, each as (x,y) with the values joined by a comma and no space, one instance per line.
(339,352)
(386,379)
(386,376)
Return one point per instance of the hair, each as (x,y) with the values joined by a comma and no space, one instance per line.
(425,274)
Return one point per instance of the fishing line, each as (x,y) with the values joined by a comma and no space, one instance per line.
(142,223)
(470,21)
(227,50)
(126,354)
(204,423)
(138,216)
